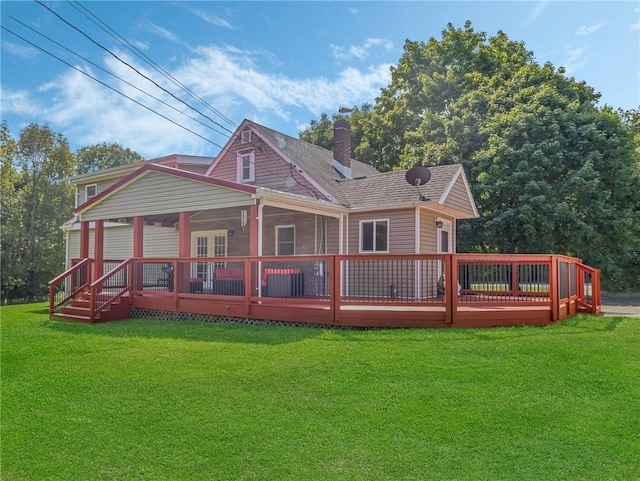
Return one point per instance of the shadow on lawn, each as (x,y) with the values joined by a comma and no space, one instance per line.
(189,331)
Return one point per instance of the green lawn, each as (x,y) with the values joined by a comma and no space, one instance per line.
(154,400)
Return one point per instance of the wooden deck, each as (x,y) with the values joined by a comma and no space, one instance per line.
(443,290)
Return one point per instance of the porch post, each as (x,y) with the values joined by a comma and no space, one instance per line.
(98,249)
(84,239)
(138,236)
(253,230)
(184,240)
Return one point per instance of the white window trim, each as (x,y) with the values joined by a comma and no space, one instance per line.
(252,165)
(245,136)
(86,191)
(374,221)
(285,226)
(447,226)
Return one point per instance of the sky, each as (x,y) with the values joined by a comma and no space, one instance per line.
(280,64)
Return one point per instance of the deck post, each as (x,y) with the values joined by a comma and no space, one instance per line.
(450,288)
(138,236)
(335,286)
(98,249)
(184,239)
(84,239)
(554,292)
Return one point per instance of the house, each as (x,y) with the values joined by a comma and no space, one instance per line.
(271,212)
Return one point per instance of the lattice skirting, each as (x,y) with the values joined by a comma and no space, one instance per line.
(137,313)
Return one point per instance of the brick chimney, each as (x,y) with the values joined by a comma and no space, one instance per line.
(342,147)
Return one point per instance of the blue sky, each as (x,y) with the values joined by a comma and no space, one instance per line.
(278,63)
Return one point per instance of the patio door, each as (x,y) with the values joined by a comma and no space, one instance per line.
(211,243)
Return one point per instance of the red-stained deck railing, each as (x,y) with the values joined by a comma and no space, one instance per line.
(68,284)
(404,290)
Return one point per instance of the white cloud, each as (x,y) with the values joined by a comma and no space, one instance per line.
(23,51)
(17,102)
(539,7)
(227,78)
(575,60)
(354,11)
(588,30)
(634,26)
(163,32)
(360,52)
(212,19)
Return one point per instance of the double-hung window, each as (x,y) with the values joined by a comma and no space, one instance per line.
(374,235)
(90,191)
(285,240)
(246,166)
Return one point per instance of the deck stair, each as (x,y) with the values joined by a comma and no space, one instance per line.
(79,309)
(73,297)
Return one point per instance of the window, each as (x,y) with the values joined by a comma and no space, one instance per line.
(90,191)
(374,236)
(285,240)
(245,137)
(246,166)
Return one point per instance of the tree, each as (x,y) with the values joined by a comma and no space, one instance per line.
(102,156)
(34,171)
(550,170)
(13,235)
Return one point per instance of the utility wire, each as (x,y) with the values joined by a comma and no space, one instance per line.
(108,86)
(127,64)
(114,75)
(88,14)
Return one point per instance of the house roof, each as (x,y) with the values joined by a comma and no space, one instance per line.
(173,160)
(368,189)
(390,190)
(313,160)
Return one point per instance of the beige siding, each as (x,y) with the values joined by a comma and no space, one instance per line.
(458,198)
(428,232)
(401,230)
(158,193)
(333,235)
(118,242)
(159,241)
(270,170)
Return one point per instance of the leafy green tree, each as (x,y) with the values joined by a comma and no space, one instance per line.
(13,234)
(103,156)
(550,170)
(34,170)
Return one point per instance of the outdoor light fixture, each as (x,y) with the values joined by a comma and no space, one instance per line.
(439,224)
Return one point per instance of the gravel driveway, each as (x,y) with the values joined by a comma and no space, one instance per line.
(614,304)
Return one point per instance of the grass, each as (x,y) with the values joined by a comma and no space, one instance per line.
(160,400)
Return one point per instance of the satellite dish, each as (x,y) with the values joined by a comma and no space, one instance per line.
(418,175)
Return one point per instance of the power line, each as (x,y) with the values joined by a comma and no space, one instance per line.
(127,64)
(108,86)
(114,75)
(123,41)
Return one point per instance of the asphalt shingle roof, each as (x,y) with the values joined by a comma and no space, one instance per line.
(368,187)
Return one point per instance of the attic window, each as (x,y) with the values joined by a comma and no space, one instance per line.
(90,191)
(245,137)
(246,166)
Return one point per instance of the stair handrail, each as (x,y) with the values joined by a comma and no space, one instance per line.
(83,264)
(99,303)
(596,301)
